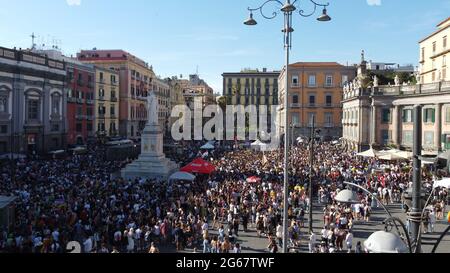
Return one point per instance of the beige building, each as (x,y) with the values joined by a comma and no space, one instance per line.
(107,101)
(434,52)
(382,115)
(315,93)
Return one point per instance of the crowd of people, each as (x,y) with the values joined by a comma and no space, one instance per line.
(77,199)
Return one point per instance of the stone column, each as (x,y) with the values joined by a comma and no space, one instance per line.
(438,128)
(395,125)
(373,125)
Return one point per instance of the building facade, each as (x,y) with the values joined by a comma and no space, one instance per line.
(136,80)
(252,87)
(107,102)
(315,94)
(162,90)
(434,52)
(32,99)
(382,115)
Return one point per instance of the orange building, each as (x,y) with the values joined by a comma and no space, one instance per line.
(315,93)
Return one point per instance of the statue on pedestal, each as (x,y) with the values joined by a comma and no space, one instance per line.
(375,81)
(397,80)
(152,105)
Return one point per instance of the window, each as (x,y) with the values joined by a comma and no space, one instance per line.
(296,119)
(295,99)
(329,80)
(295,81)
(3,129)
(55,128)
(433,64)
(386,136)
(407,138)
(113,94)
(444,61)
(328,119)
(113,79)
(386,116)
(3,104)
(312,100)
(433,76)
(79,110)
(407,115)
(344,79)
(312,80)
(113,110)
(329,100)
(434,47)
(423,54)
(429,138)
(311,119)
(79,127)
(101,76)
(33,109)
(89,127)
(444,42)
(56,99)
(101,92)
(429,115)
(447,115)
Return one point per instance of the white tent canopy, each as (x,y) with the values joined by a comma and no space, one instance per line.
(183,176)
(208,146)
(370,153)
(444,183)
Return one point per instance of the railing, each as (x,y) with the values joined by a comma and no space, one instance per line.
(71,99)
(114,99)
(101,98)
(429,88)
(80,117)
(80,101)
(295,105)
(91,102)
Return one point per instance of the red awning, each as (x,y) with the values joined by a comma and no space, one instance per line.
(199,166)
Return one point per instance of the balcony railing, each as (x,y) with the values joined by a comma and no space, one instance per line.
(429,88)
(71,99)
(295,105)
(91,102)
(114,99)
(80,101)
(101,98)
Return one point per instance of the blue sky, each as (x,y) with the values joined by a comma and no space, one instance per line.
(176,36)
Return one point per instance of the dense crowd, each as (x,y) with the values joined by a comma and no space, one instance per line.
(77,199)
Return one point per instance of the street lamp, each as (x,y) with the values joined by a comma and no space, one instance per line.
(287,9)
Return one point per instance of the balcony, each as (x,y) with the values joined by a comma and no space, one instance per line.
(312,105)
(114,99)
(90,118)
(101,116)
(80,117)
(101,98)
(113,116)
(80,101)
(91,102)
(295,105)
(80,82)
(295,85)
(113,82)
(102,81)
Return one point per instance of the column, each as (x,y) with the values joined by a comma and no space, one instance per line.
(395,125)
(373,125)
(438,128)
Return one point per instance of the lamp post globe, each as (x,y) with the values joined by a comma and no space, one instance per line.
(385,242)
(347,197)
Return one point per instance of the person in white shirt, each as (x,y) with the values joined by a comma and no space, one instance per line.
(279,234)
(312,242)
(88,245)
(349,242)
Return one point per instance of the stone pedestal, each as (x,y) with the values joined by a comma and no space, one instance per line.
(152,163)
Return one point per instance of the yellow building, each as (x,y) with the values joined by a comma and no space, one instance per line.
(107,102)
(434,52)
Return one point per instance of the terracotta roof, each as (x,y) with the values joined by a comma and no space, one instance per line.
(443,22)
(315,64)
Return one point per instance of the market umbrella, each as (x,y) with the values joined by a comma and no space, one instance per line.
(253,179)
(199,165)
(391,157)
(182,176)
(370,153)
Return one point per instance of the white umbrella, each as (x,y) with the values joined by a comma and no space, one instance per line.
(208,146)
(182,176)
(444,183)
(370,153)
(391,157)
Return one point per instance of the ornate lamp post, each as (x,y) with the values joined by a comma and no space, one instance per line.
(287,9)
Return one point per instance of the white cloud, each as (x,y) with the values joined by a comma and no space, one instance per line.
(73,2)
(374,2)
